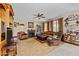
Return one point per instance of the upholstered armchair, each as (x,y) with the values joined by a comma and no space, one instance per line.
(22,35)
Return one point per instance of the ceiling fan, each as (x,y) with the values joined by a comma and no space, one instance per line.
(39,16)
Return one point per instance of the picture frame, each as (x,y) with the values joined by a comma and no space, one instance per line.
(30,24)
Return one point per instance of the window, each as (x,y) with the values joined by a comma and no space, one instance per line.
(50,26)
(45,27)
(55,26)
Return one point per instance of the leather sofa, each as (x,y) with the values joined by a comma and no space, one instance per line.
(53,41)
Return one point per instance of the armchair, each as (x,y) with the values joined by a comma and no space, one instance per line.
(22,35)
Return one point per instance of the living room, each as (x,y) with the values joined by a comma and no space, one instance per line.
(40,29)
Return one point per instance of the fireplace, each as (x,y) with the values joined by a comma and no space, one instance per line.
(31,33)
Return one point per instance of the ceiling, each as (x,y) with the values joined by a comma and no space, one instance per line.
(50,10)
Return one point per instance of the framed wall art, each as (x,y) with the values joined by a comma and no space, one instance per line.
(30,25)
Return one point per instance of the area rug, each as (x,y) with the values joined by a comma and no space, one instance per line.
(32,47)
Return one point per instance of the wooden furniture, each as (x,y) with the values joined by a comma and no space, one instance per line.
(22,35)
(12,49)
(6,20)
(69,38)
(4,51)
(42,38)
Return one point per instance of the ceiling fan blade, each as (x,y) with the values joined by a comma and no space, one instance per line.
(34,15)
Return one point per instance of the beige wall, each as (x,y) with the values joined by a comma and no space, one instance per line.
(24,28)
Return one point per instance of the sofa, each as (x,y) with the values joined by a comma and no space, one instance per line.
(52,38)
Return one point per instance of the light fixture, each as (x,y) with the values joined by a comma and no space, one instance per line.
(39,16)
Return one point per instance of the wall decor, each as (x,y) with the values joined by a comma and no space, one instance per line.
(70,18)
(16,24)
(30,24)
(21,24)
